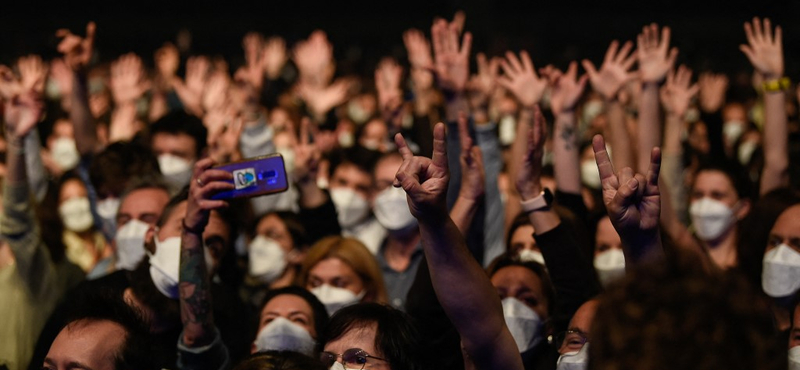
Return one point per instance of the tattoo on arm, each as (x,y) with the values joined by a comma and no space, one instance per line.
(568,136)
(194,288)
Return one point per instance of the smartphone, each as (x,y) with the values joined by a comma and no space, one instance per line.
(257,176)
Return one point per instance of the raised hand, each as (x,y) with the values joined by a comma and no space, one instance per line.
(123,125)
(206,181)
(274,57)
(253,71)
(77,50)
(712,90)
(314,58)
(215,95)
(633,201)
(419,49)
(615,71)
(191,91)
(451,59)
(424,179)
(529,169)
(224,146)
(655,57)
(127,79)
(306,155)
(482,85)
(22,113)
(321,100)
(472,172)
(388,77)
(764,49)
(33,73)
(567,88)
(678,91)
(521,80)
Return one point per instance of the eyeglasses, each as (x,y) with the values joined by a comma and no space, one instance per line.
(570,340)
(353,358)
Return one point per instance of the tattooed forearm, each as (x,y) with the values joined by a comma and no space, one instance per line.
(568,137)
(195,295)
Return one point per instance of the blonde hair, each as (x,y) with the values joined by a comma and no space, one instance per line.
(353,253)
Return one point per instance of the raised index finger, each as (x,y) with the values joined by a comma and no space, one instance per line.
(463,133)
(604,165)
(439,157)
(402,147)
(655,166)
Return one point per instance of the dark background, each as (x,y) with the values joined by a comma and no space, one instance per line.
(708,33)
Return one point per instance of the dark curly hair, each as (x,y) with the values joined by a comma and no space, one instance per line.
(675,316)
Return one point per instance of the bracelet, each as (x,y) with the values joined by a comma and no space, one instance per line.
(778,85)
(198,231)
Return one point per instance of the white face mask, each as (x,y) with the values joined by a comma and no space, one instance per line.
(781,275)
(346,139)
(610,266)
(351,207)
(338,366)
(507,130)
(745,152)
(358,114)
(732,130)
(794,358)
(590,175)
(711,218)
(288,158)
(76,214)
(391,209)
(65,153)
(575,360)
(335,298)
(129,244)
(107,208)
(267,260)
(530,255)
(176,170)
(591,110)
(284,335)
(165,265)
(523,322)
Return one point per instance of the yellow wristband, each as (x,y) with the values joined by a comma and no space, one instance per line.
(781,84)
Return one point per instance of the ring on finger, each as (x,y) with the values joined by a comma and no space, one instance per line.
(199,182)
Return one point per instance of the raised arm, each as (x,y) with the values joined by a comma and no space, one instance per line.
(764,49)
(655,61)
(460,283)
(451,65)
(194,280)
(77,54)
(472,179)
(19,226)
(608,81)
(567,88)
(633,203)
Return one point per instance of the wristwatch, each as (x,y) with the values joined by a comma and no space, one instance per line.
(541,202)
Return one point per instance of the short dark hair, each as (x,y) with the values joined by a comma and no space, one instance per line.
(118,164)
(735,173)
(136,352)
(364,159)
(279,360)
(179,122)
(395,336)
(320,313)
(674,315)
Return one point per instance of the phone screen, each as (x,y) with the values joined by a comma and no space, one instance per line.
(255,176)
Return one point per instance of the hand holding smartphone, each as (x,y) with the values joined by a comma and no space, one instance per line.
(254,177)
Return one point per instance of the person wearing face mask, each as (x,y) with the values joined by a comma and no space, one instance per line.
(781,266)
(152,286)
(609,260)
(794,335)
(351,188)
(86,246)
(140,207)
(290,319)
(341,272)
(573,344)
(178,139)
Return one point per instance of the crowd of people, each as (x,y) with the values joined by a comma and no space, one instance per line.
(449,211)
